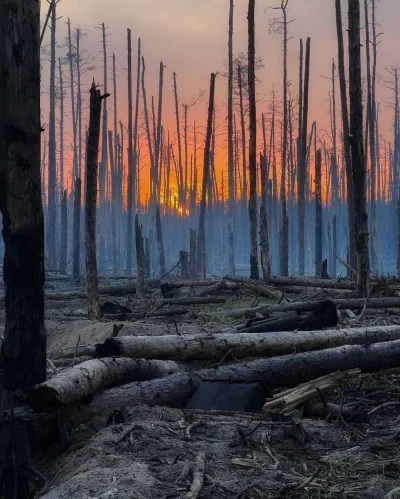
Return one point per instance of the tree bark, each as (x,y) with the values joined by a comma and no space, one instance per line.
(130,182)
(357,150)
(192,254)
(160,243)
(24,345)
(318,216)
(76,242)
(252,141)
(346,135)
(286,371)
(302,165)
(64,234)
(201,237)
(92,283)
(231,179)
(98,374)
(265,255)
(140,260)
(242,345)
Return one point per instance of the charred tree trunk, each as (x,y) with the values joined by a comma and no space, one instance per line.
(252,141)
(265,256)
(24,345)
(64,235)
(346,135)
(113,200)
(183,262)
(52,175)
(92,284)
(140,259)
(130,183)
(192,255)
(201,238)
(76,242)
(302,165)
(318,216)
(357,150)
(231,181)
(160,243)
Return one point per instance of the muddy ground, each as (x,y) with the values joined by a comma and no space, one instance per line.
(247,456)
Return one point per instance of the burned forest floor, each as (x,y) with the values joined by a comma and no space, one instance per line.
(341,441)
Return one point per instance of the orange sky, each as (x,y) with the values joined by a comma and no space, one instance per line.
(190,37)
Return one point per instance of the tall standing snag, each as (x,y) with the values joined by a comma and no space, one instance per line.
(357,150)
(140,259)
(92,166)
(201,241)
(231,180)
(24,345)
(252,142)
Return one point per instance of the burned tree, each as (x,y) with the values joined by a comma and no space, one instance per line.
(231,179)
(252,142)
(92,166)
(24,344)
(357,150)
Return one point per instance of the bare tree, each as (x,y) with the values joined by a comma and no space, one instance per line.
(231,180)
(24,346)
(357,150)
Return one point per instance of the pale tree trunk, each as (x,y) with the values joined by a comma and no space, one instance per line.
(104,162)
(114,198)
(192,255)
(201,238)
(346,135)
(148,133)
(52,169)
(158,135)
(61,154)
(302,164)
(357,150)
(23,349)
(75,173)
(252,141)
(178,136)
(265,255)
(140,259)
(231,180)
(92,166)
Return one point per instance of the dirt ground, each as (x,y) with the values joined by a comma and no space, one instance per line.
(247,456)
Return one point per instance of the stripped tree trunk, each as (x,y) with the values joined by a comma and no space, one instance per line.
(92,284)
(357,150)
(201,238)
(265,256)
(252,141)
(24,345)
(130,183)
(114,199)
(192,255)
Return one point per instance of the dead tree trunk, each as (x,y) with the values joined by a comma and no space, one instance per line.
(201,238)
(265,255)
(92,284)
(76,241)
(346,135)
(252,141)
(357,150)
(183,262)
(318,216)
(160,243)
(130,183)
(52,169)
(302,165)
(231,181)
(178,136)
(24,345)
(140,260)
(192,255)
(113,200)
(64,235)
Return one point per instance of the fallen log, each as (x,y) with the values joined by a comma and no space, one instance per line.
(242,345)
(94,375)
(308,306)
(312,282)
(193,300)
(278,372)
(256,288)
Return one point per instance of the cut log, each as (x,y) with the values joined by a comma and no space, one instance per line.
(94,375)
(308,306)
(278,372)
(205,347)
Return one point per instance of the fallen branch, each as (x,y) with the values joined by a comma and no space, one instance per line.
(198,476)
